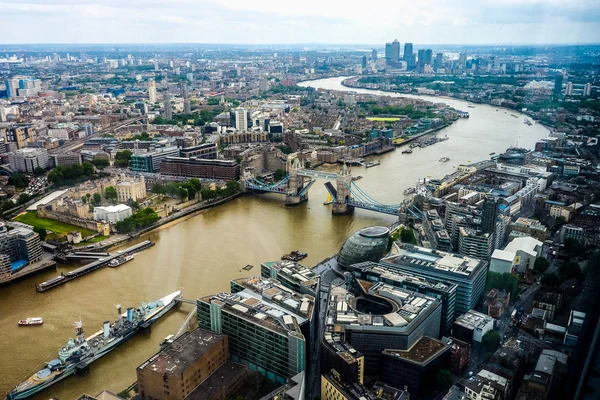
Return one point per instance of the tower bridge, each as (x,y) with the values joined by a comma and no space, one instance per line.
(346,194)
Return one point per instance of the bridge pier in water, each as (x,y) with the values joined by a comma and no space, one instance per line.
(343,181)
(295,187)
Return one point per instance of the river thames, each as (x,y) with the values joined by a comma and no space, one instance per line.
(203,252)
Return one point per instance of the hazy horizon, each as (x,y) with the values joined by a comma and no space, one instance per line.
(312,22)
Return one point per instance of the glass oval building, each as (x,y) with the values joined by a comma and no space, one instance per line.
(367,244)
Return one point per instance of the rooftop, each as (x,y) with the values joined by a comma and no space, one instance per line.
(526,244)
(473,319)
(503,255)
(117,208)
(423,351)
(435,260)
(530,223)
(296,272)
(183,352)
(218,381)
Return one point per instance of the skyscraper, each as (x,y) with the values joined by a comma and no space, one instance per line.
(364,62)
(569,89)
(241,119)
(428,57)
(408,51)
(489,214)
(187,107)
(11,87)
(462,61)
(183,88)
(395,51)
(388,52)
(374,55)
(420,60)
(439,61)
(168,107)
(152,91)
(558,81)
(587,89)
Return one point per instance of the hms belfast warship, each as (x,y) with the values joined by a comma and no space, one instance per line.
(80,352)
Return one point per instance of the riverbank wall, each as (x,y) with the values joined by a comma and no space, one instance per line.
(28,271)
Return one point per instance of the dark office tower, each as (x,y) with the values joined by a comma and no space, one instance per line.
(395,51)
(364,62)
(168,107)
(428,57)
(412,64)
(421,60)
(374,55)
(489,214)
(558,81)
(439,61)
(388,52)
(408,52)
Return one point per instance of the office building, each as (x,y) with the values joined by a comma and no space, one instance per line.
(467,273)
(460,354)
(168,108)
(19,247)
(286,298)
(20,135)
(569,89)
(206,151)
(444,292)
(335,387)
(395,51)
(193,366)
(65,159)
(377,318)
(417,367)
(475,243)
(367,244)
(518,256)
(408,52)
(587,89)
(373,55)
(388,52)
(293,276)
(131,189)
(183,90)
(439,62)
(112,214)
(264,333)
(428,57)
(241,119)
(558,82)
(364,63)
(150,162)
(489,214)
(12,85)
(28,159)
(530,227)
(201,168)
(420,60)
(187,107)
(152,91)
(462,61)
(472,326)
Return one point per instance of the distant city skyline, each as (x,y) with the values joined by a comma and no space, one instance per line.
(308,22)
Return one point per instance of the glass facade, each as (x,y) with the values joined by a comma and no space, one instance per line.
(368,244)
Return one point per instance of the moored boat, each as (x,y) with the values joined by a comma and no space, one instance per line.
(31,321)
(407,151)
(115,262)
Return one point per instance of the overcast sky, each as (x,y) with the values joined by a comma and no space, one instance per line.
(300,21)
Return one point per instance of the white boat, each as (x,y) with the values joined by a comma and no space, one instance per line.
(31,321)
(357,177)
(444,159)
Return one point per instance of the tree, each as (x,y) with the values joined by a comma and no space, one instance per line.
(550,280)
(134,205)
(122,158)
(159,188)
(39,171)
(23,198)
(491,341)
(573,246)
(195,182)
(443,379)
(40,231)
(279,174)
(507,281)
(84,199)
(570,269)
(182,192)
(541,265)
(100,163)
(97,199)
(407,236)
(110,193)
(19,180)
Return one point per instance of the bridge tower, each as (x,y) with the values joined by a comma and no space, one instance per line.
(295,184)
(343,182)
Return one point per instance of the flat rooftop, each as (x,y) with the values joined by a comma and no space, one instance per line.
(395,275)
(434,260)
(186,349)
(296,272)
(218,381)
(473,319)
(421,352)
(274,291)
(258,310)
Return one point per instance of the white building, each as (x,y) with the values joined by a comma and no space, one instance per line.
(473,322)
(112,214)
(519,255)
(152,91)
(241,119)
(502,261)
(28,159)
(131,188)
(59,133)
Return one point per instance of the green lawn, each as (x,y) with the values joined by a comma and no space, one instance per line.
(62,228)
(93,240)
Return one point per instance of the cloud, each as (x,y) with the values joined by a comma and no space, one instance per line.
(307,21)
